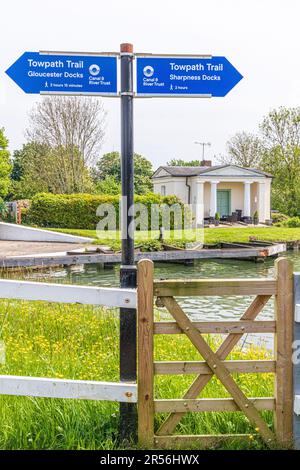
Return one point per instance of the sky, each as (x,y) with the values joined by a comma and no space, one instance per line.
(259,37)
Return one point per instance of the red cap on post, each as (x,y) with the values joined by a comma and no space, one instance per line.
(126,47)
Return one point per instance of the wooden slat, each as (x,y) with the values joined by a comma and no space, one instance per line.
(219,369)
(221,327)
(207,404)
(283,352)
(64,293)
(63,388)
(216,287)
(145,354)
(226,347)
(203,441)
(200,367)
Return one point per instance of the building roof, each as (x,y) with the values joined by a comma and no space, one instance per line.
(185,171)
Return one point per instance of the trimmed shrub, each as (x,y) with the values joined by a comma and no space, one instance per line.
(278,217)
(80,210)
(293,222)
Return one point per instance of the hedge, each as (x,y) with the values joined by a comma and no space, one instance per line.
(79,210)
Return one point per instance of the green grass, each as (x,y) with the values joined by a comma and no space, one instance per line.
(211,235)
(81,342)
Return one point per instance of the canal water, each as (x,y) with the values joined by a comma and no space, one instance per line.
(199,308)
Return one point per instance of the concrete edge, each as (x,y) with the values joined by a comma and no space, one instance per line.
(31,234)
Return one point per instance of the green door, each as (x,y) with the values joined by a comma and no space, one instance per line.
(224,202)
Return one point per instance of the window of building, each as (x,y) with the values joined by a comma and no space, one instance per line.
(163,190)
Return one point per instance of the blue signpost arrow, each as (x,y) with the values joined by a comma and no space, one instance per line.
(35,72)
(185,76)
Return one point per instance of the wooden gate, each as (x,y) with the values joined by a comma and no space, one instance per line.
(165,291)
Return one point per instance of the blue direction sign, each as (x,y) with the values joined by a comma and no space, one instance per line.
(183,76)
(35,72)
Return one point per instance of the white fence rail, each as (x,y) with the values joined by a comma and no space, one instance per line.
(62,388)
(64,293)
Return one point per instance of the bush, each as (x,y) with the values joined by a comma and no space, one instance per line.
(293,222)
(278,217)
(79,210)
(151,245)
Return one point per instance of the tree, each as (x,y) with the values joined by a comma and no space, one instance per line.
(109,166)
(109,185)
(39,168)
(180,162)
(5,165)
(243,149)
(76,124)
(280,131)
(65,136)
(30,173)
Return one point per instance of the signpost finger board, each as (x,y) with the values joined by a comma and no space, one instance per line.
(185,76)
(69,74)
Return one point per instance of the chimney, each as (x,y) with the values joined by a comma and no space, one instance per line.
(205,163)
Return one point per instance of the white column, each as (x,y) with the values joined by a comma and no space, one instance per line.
(247,199)
(213,198)
(261,201)
(199,210)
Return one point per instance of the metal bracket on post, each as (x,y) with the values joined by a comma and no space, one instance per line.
(128,347)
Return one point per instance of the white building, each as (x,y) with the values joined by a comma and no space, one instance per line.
(223,189)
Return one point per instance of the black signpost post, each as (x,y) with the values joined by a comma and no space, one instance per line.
(128,412)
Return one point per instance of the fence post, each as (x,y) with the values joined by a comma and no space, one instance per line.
(145,354)
(296,364)
(128,417)
(283,352)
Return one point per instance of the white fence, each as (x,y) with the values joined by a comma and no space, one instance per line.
(59,388)
(63,388)
(64,293)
